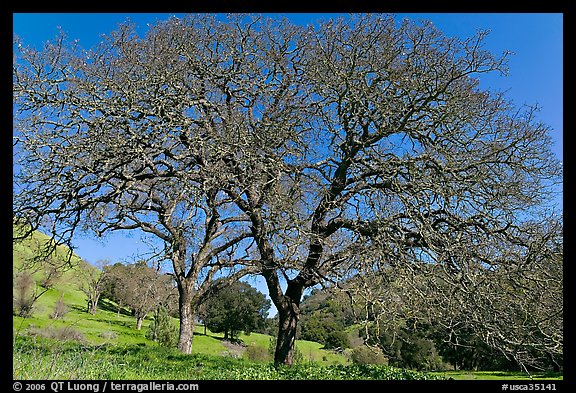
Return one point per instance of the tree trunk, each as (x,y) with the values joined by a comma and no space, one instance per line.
(93,305)
(186,317)
(286,339)
(139,320)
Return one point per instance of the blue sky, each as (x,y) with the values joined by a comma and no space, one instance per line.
(536,69)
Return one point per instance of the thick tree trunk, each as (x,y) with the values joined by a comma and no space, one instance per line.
(186,317)
(139,320)
(285,342)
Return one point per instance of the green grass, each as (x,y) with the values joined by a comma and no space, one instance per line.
(41,358)
(26,249)
(91,326)
(312,352)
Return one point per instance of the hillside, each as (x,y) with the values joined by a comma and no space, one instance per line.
(110,327)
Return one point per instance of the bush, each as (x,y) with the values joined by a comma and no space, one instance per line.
(162,329)
(24,296)
(60,309)
(234,349)
(62,334)
(257,354)
(365,355)
(108,335)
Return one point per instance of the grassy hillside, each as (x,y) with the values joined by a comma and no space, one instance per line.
(24,250)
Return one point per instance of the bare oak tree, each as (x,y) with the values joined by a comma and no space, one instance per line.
(120,137)
(92,282)
(287,150)
(407,157)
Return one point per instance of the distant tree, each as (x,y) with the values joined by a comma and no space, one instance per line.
(139,287)
(92,282)
(109,287)
(325,329)
(239,307)
(269,327)
(323,319)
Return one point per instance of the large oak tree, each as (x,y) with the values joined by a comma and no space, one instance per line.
(406,157)
(120,137)
(288,149)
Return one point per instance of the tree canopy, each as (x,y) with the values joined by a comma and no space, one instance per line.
(236,308)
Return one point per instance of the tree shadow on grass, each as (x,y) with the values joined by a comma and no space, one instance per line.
(108,305)
(237,341)
(131,323)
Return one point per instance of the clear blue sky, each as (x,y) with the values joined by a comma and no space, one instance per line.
(536,69)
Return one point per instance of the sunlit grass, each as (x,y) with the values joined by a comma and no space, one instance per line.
(40,358)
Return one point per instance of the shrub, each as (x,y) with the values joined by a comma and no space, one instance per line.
(234,349)
(67,333)
(24,294)
(61,334)
(162,329)
(257,354)
(366,355)
(60,309)
(108,335)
